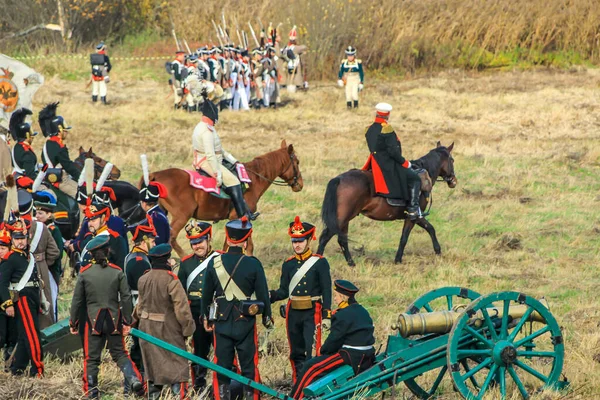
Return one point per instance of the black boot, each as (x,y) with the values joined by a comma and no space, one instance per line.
(224,392)
(94,98)
(153,391)
(349,105)
(414,210)
(92,382)
(191,108)
(132,382)
(103,98)
(248,393)
(199,378)
(237,197)
(355,103)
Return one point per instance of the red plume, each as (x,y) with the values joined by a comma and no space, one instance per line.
(162,189)
(111,193)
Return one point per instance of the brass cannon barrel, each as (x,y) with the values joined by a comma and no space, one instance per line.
(442,321)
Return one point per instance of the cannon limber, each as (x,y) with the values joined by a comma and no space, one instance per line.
(498,343)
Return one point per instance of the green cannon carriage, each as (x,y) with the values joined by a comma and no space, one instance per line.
(498,343)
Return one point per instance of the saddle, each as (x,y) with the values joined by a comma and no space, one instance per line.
(426,187)
(201,180)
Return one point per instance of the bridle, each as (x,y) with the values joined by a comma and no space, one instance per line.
(449,179)
(282,182)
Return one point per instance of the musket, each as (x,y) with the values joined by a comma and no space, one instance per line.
(89,83)
(187,47)
(262,28)
(239,38)
(253,34)
(223,19)
(176,41)
(217,31)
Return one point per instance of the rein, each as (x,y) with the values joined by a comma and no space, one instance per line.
(281,182)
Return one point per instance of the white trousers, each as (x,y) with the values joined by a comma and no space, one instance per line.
(99,87)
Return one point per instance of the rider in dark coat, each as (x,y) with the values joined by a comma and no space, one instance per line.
(392,173)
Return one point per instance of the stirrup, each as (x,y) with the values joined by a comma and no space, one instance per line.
(414,215)
(252,216)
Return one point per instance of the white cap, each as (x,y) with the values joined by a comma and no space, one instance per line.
(383,108)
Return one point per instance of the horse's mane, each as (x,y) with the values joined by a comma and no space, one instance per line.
(432,160)
(265,162)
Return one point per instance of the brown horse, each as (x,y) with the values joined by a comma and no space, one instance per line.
(184,202)
(353,193)
(99,164)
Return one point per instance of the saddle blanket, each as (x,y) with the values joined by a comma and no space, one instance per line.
(202,182)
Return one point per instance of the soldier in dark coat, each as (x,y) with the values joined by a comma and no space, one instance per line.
(60,169)
(349,343)
(235,290)
(102,290)
(163,312)
(191,274)
(24,159)
(392,173)
(306,283)
(8,325)
(136,265)
(149,196)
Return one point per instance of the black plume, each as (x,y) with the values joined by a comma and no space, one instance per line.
(17,118)
(46,116)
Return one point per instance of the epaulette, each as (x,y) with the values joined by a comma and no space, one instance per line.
(51,227)
(386,128)
(173,275)
(344,60)
(7,255)
(114,266)
(317,255)
(113,233)
(291,258)
(85,267)
(187,257)
(220,251)
(359,61)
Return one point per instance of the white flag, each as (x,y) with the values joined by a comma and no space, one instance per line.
(18,84)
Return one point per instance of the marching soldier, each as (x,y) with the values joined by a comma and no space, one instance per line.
(20,298)
(349,343)
(136,265)
(163,312)
(191,274)
(24,159)
(176,69)
(44,204)
(102,292)
(60,170)
(306,283)
(100,69)
(149,196)
(234,293)
(392,173)
(352,75)
(271,78)
(257,78)
(209,155)
(294,73)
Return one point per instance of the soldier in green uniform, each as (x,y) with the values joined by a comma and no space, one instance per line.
(20,298)
(136,264)
(191,274)
(306,283)
(23,157)
(45,203)
(349,343)
(234,293)
(352,75)
(392,173)
(60,170)
(102,290)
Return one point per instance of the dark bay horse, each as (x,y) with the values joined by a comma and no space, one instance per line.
(184,202)
(353,193)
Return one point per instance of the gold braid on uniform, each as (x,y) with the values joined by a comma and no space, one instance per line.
(6,304)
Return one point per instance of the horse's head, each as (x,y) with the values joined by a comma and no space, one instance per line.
(99,164)
(447,164)
(291,173)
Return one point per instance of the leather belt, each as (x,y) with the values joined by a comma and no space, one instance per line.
(153,316)
(195,294)
(13,286)
(361,348)
(313,298)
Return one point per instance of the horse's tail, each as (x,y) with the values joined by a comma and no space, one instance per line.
(329,209)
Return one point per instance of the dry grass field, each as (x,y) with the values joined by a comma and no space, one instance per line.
(523,217)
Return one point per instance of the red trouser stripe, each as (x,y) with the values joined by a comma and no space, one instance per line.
(215,380)
(256,373)
(86,357)
(287,330)
(32,337)
(319,328)
(333,359)
(182,390)
(316,373)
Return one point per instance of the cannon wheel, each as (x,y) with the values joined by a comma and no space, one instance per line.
(436,300)
(507,351)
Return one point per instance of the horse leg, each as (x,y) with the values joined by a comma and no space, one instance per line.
(177,225)
(408,226)
(343,242)
(423,223)
(324,239)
